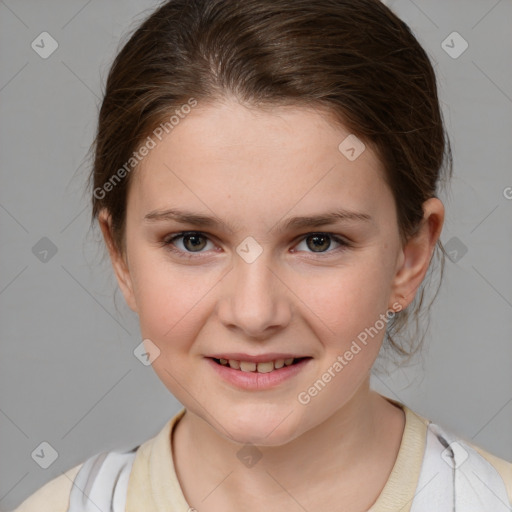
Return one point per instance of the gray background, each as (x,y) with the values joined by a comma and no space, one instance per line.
(68,375)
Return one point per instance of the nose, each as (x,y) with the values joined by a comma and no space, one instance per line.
(254,298)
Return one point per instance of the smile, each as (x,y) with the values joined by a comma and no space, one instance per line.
(258,376)
(261,367)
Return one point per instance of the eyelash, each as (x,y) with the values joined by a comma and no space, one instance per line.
(168,243)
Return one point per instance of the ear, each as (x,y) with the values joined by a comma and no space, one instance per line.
(118,260)
(416,254)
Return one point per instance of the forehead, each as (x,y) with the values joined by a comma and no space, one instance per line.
(281,157)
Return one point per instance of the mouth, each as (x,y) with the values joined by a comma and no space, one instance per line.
(263,372)
(259,367)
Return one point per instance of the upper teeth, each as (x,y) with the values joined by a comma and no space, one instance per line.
(265,367)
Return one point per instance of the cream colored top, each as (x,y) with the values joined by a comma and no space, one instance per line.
(154,487)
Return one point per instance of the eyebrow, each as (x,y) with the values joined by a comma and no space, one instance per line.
(198,219)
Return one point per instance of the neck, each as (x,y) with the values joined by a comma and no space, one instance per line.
(340,449)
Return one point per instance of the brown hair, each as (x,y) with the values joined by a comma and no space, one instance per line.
(352,58)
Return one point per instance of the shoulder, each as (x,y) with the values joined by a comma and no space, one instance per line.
(106,480)
(502,466)
(454,468)
(437,469)
(53,496)
(101,481)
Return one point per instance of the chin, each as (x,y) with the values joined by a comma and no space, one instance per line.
(261,426)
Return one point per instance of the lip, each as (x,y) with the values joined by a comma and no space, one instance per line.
(262,358)
(254,381)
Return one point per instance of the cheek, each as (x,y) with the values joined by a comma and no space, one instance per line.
(345,311)
(171,314)
(347,300)
(171,300)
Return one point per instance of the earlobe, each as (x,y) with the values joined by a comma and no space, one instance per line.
(415,256)
(118,260)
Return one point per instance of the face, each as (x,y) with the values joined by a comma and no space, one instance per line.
(260,281)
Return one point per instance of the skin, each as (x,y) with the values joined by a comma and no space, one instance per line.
(254,168)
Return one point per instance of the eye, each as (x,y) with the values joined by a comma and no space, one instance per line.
(191,241)
(320,242)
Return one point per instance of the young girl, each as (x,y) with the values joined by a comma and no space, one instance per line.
(265,179)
